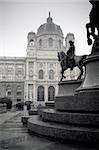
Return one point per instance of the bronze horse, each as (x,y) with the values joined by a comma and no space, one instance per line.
(93,26)
(65,64)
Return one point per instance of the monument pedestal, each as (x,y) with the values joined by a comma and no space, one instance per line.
(65,98)
(3,108)
(88,92)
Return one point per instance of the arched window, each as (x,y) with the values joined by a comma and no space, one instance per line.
(50,42)
(40,43)
(51,93)
(40,93)
(59,43)
(51,74)
(41,74)
(31,42)
(8,90)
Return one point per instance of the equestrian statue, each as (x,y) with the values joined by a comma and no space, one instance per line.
(69,60)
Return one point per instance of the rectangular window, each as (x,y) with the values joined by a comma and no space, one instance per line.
(19,93)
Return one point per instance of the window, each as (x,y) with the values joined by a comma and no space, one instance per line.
(31,42)
(9,90)
(9,71)
(41,74)
(40,93)
(40,43)
(9,93)
(19,73)
(51,74)
(51,93)
(50,42)
(19,87)
(19,90)
(19,93)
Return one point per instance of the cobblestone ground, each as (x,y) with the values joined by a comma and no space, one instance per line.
(14,136)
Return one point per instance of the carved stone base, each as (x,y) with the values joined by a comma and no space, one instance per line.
(88,92)
(65,99)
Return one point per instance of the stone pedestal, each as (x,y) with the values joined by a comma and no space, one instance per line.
(3,108)
(14,108)
(88,92)
(65,98)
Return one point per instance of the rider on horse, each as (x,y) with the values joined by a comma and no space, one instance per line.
(71,54)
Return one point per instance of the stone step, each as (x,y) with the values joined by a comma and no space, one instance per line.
(62,131)
(77,118)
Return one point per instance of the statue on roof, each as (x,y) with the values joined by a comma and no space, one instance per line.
(93,26)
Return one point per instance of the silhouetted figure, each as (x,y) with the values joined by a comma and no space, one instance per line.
(65,64)
(71,54)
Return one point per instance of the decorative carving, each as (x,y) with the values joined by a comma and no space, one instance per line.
(31,73)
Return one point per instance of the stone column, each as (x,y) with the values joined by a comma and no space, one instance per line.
(56,89)
(46,92)
(26,91)
(34,92)
(46,73)
(34,73)
(27,71)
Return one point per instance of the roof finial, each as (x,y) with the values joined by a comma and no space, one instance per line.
(49,14)
(49,19)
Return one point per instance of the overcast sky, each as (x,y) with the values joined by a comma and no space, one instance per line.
(18,17)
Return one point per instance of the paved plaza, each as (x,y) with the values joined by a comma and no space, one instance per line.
(15,136)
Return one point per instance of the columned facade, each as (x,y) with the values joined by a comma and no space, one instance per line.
(36,76)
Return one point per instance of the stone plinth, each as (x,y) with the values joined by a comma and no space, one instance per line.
(33,112)
(50,104)
(3,108)
(14,108)
(65,97)
(88,92)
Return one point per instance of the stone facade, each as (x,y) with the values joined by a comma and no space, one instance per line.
(36,76)
(12,77)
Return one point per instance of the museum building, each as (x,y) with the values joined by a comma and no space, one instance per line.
(36,76)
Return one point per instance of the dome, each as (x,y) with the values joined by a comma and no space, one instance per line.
(49,28)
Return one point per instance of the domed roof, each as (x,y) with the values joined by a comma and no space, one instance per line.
(49,27)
